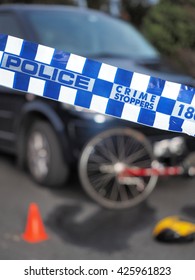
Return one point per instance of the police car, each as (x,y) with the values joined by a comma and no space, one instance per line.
(49,137)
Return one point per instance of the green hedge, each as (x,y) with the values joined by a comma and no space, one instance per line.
(171,26)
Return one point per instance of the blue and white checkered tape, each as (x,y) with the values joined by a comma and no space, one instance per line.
(76,80)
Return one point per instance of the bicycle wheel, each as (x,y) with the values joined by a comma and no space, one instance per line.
(105,156)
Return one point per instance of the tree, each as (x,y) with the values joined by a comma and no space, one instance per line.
(170,26)
(136,10)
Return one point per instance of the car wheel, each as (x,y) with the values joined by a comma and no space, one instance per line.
(44,156)
(105,156)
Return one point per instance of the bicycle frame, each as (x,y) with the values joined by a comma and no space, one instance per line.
(156,171)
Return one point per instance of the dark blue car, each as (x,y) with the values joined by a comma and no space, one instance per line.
(49,137)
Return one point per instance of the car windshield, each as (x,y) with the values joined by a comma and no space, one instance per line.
(90,34)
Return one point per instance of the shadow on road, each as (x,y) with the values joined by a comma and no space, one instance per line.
(104,230)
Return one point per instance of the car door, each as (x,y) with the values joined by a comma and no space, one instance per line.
(10,101)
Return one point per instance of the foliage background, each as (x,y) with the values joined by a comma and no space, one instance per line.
(170,26)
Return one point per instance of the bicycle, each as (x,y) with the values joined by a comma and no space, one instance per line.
(118,168)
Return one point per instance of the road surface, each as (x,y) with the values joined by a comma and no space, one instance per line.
(80,229)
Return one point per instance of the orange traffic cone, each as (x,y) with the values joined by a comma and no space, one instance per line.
(34,231)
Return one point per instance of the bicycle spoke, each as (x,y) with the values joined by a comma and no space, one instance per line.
(99,180)
(135,156)
(120,141)
(143,163)
(97,159)
(114,192)
(93,167)
(131,145)
(133,190)
(123,193)
(107,153)
(109,144)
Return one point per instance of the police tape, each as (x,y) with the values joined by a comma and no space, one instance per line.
(76,80)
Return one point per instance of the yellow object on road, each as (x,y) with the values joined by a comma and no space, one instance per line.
(174,229)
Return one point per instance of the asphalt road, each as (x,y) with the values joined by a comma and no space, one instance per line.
(79,229)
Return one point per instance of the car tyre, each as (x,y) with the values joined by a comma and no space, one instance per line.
(44,156)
